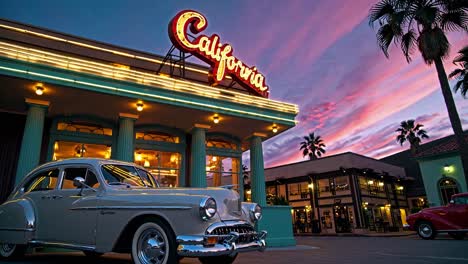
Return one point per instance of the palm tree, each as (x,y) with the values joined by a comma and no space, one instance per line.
(411,133)
(461,74)
(424,24)
(313,146)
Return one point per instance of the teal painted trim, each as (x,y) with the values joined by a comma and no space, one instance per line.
(224,152)
(277,221)
(32,71)
(226,137)
(257,171)
(162,146)
(160,128)
(198,158)
(32,140)
(126,139)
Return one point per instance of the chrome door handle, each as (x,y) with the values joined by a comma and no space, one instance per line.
(57,197)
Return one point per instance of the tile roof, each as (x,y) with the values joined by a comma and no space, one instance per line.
(448,145)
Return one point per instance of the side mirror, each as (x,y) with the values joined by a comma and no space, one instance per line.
(79,182)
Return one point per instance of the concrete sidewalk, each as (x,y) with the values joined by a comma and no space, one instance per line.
(370,234)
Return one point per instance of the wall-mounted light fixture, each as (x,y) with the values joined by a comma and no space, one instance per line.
(216,118)
(140,106)
(39,88)
(311,186)
(274,128)
(448,168)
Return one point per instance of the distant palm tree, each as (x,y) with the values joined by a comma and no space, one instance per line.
(411,133)
(424,24)
(313,146)
(461,74)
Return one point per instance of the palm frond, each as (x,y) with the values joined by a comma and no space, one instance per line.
(385,37)
(454,21)
(408,44)
(381,11)
(456,73)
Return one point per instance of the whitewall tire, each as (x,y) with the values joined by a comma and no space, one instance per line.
(153,243)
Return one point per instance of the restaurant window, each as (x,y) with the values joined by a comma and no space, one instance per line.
(219,143)
(164,166)
(221,170)
(341,183)
(84,127)
(372,186)
(69,149)
(447,188)
(298,191)
(156,136)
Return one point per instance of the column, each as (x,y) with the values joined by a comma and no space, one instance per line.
(126,138)
(32,137)
(198,156)
(257,169)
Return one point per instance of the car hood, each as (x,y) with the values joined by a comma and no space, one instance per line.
(434,209)
(228,201)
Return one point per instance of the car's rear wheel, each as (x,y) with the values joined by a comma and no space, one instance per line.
(426,230)
(457,235)
(218,260)
(154,243)
(12,250)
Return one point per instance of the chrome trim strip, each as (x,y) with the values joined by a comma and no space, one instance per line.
(18,229)
(151,207)
(453,230)
(62,245)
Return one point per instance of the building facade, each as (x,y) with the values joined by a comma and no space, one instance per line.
(64,96)
(343,193)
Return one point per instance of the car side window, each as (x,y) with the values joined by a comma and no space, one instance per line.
(461,200)
(42,181)
(147,178)
(70,174)
(91,179)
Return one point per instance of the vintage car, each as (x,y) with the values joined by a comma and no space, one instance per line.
(99,206)
(451,219)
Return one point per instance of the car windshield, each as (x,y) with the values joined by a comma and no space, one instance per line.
(129,176)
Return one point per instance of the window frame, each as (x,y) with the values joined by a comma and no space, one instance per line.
(35,175)
(77,166)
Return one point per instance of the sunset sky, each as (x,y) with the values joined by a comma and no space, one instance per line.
(321,55)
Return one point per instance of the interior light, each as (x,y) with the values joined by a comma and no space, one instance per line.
(380,184)
(311,186)
(39,88)
(214,158)
(216,119)
(138,157)
(140,106)
(274,128)
(370,182)
(146,164)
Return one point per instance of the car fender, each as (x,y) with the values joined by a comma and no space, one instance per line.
(438,219)
(17,221)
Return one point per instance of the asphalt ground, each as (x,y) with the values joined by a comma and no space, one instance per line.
(359,250)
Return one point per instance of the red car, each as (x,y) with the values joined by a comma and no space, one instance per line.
(451,219)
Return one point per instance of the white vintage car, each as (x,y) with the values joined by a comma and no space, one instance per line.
(99,206)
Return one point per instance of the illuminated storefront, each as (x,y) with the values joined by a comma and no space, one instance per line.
(343,193)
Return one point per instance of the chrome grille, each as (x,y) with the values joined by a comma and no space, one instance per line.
(246,233)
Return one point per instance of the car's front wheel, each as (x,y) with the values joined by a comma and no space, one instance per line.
(218,260)
(426,230)
(457,235)
(154,243)
(12,250)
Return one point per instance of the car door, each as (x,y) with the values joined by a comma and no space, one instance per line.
(76,207)
(39,190)
(458,211)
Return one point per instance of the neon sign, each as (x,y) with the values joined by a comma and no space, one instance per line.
(210,50)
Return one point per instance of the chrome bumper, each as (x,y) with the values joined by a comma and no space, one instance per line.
(194,246)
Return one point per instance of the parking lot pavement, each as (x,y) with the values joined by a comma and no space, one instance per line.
(359,250)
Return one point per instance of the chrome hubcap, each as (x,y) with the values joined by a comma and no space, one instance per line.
(425,230)
(7,248)
(152,247)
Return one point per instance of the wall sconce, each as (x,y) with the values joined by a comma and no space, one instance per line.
(311,186)
(216,119)
(140,106)
(448,168)
(274,128)
(39,88)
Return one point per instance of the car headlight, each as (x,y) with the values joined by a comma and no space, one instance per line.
(255,212)
(208,208)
